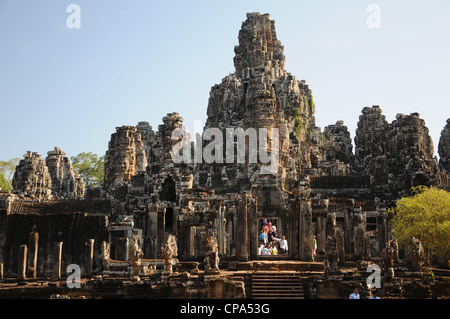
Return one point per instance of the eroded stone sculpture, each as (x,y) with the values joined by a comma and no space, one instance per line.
(211,262)
(168,252)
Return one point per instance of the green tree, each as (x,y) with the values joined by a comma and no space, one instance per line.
(4,184)
(90,168)
(426,216)
(7,169)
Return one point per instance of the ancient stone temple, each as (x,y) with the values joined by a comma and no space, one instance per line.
(199,203)
(294,175)
(54,177)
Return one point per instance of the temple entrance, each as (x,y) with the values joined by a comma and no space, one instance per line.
(271,241)
(168,192)
(168,220)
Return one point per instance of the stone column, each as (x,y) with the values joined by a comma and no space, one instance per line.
(241,227)
(252,227)
(22,262)
(1,271)
(57,257)
(88,256)
(160,235)
(32,254)
(359,235)
(151,235)
(306,232)
(192,238)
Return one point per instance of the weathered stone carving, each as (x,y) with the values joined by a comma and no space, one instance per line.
(444,148)
(125,156)
(31,178)
(337,143)
(65,182)
(360,238)
(53,178)
(396,156)
(416,253)
(211,262)
(390,256)
(168,252)
(135,256)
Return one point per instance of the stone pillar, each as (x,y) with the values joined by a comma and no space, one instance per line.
(160,235)
(339,233)
(220,225)
(88,256)
(22,262)
(57,258)
(359,235)
(192,238)
(293,228)
(32,254)
(121,248)
(241,227)
(1,271)
(151,234)
(306,232)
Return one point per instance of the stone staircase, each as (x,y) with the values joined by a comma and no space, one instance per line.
(276,285)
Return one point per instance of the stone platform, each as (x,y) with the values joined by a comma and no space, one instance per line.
(268,264)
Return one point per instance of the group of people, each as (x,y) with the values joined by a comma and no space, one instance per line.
(270,244)
(355,295)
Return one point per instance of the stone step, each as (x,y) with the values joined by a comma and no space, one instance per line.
(276,295)
(275,282)
(277,285)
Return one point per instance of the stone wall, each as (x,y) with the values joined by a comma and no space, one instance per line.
(72,229)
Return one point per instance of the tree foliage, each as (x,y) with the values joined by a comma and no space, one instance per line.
(4,184)
(7,169)
(426,216)
(90,168)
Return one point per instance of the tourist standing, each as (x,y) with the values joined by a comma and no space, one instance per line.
(354,295)
(374,295)
(283,245)
(263,237)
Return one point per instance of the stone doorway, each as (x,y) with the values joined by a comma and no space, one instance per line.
(168,192)
(273,227)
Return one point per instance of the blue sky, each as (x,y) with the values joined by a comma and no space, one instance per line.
(136,61)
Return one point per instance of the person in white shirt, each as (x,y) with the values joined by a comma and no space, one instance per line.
(283,245)
(260,250)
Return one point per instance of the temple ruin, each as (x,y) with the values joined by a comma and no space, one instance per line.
(162,223)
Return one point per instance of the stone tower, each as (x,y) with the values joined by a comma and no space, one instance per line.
(31,177)
(65,182)
(261,94)
(444,148)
